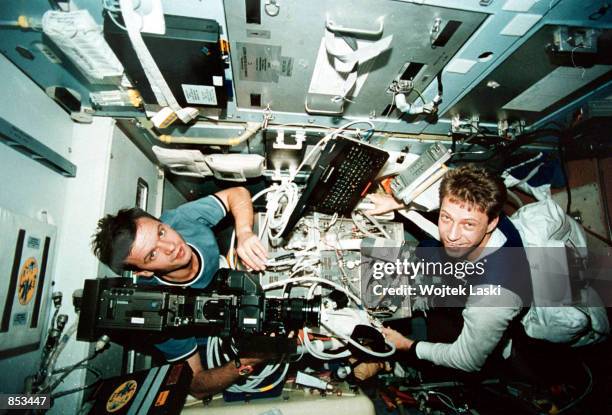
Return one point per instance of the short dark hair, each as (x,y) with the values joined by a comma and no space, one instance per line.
(475,186)
(114,237)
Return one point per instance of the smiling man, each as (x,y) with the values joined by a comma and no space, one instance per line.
(180,249)
(472,228)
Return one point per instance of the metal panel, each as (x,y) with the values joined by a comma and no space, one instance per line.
(24,143)
(293,36)
(524,74)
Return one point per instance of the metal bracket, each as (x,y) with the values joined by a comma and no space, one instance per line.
(510,130)
(300,137)
(333,27)
(435,31)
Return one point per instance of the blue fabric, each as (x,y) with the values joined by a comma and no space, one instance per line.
(193,221)
(550,171)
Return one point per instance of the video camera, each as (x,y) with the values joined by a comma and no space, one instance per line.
(234,306)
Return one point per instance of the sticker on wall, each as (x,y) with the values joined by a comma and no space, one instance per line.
(259,63)
(121,396)
(20,319)
(27,280)
(286,66)
(33,242)
(199,94)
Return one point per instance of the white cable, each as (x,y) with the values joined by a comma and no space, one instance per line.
(254,387)
(327,138)
(313,279)
(449,404)
(290,278)
(302,350)
(116,22)
(361,227)
(283,198)
(359,346)
(307,344)
(279,207)
(311,291)
(232,264)
(320,354)
(252,384)
(112,7)
(377,224)
(57,351)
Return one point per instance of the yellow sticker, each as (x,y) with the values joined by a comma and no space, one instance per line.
(121,396)
(27,280)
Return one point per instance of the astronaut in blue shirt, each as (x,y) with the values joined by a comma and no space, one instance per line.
(180,249)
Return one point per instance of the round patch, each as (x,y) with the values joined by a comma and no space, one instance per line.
(27,280)
(121,396)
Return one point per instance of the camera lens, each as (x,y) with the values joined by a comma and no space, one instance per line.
(293,313)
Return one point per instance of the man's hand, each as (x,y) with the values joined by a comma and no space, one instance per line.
(395,337)
(383,203)
(250,250)
(210,381)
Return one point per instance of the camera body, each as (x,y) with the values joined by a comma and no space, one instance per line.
(234,305)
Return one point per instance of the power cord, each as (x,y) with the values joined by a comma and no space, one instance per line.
(101,345)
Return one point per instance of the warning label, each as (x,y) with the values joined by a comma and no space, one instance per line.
(200,94)
(260,63)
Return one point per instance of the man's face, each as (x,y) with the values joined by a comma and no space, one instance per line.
(158,248)
(463,227)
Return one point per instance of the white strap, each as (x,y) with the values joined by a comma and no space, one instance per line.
(346,62)
(160,88)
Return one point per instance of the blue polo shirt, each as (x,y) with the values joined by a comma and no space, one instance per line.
(193,221)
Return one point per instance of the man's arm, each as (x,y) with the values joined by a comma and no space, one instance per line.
(383,203)
(250,250)
(211,381)
(483,328)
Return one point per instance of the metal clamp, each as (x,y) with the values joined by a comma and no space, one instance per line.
(333,27)
(267,117)
(435,31)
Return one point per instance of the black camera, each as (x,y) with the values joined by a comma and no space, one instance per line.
(234,305)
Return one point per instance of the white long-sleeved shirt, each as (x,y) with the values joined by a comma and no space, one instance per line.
(484,325)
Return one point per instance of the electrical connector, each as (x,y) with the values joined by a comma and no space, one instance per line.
(102,343)
(164,118)
(57,299)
